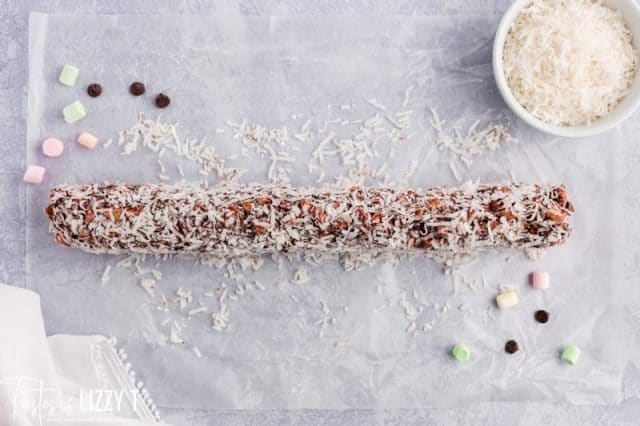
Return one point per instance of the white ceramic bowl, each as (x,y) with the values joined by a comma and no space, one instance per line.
(631,13)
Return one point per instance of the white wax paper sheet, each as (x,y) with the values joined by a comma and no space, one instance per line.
(378,337)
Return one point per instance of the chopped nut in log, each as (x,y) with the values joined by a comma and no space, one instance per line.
(555,215)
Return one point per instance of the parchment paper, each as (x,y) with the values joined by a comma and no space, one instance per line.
(343,339)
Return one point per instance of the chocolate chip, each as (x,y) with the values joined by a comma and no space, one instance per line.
(137,88)
(162,101)
(94,90)
(511,347)
(541,316)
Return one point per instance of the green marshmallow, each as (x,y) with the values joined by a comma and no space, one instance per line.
(68,75)
(461,352)
(73,112)
(570,354)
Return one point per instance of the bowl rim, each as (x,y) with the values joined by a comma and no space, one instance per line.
(598,126)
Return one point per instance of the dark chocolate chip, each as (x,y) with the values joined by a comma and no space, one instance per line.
(94,90)
(162,101)
(541,316)
(137,88)
(511,347)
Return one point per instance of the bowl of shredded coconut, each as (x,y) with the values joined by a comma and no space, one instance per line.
(568,67)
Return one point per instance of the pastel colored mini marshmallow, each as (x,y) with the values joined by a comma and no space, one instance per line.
(87,140)
(68,75)
(507,299)
(34,174)
(73,112)
(570,354)
(52,147)
(540,279)
(461,352)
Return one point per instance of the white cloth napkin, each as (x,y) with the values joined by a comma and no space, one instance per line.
(62,379)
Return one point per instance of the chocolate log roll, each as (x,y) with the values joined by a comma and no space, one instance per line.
(235,219)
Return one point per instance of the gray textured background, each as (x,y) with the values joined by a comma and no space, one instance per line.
(13,90)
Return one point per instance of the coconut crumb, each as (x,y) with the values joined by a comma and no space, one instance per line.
(174,336)
(472,144)
(149,285)
(183,297)
(197,310)
(300,276)
(220,320)
(106,275)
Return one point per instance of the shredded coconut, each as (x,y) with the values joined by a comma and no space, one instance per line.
(183,297)
(197,310)
(196,351)
(220,320)
(300,276)
(149,285)
(158,137)
(474,142)
(174,336)
(106,275)
(366,144)
(569,62)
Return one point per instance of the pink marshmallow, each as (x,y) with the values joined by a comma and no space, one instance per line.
(34,174)
(52,147)
(87,140)
(540,280)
